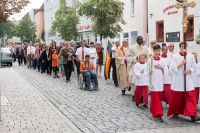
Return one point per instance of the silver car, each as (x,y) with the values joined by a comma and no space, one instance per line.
(6,56)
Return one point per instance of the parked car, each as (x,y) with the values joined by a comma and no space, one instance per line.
(6,56)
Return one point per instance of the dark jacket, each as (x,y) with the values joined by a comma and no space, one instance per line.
(17,52)
(44,57)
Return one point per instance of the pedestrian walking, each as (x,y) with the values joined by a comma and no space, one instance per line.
(55,63)
(100,58)
(141,82)
(156,67)
(121,67)
(183,102)
(93,54)
(20,55)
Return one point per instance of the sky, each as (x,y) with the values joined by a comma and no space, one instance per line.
(34,4)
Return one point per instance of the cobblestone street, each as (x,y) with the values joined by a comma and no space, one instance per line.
(97,111)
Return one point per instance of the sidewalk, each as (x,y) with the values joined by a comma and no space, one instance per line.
(27,110)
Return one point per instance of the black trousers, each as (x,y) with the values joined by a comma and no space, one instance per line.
(45,67)
(114,72)
(38,64)
(20,60)
(50,67)
(24,58)
(77,63)
(68,69)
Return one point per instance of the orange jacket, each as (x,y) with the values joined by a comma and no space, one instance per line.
(55,60)
(82,66)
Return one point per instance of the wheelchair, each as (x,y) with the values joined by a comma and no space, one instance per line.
(82,81)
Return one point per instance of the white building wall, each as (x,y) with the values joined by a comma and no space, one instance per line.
(50,8)
(136,23)
(173,22)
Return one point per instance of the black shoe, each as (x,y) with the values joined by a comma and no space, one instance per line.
(116,84)
(67,80)
(145,106)
(195,118)
(96,88)
(175,116)
(160,119)
(123,92)
(129,88)
(137,104)
(133,98)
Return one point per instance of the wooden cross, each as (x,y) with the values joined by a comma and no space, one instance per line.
(185,4)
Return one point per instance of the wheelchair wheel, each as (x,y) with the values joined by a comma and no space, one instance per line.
(80,81)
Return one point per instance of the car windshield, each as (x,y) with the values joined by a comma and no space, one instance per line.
(5,50)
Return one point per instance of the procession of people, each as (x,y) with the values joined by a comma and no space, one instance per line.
(157,71)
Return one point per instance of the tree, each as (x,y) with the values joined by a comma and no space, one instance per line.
(106,14)
(26,29)
(7,29)
(66,21)
(9,7)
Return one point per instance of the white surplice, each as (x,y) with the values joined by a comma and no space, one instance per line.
(141,78)
(178,81)
(157,76)
(196,76)
(168,74)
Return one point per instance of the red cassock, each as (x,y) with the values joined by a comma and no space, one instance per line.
(156,104)
(141,95)
(166,93)
(197,93)
(183,103)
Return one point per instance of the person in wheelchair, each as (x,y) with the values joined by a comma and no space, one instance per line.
(87,69)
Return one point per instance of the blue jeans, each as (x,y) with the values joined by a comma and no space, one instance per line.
(90,77)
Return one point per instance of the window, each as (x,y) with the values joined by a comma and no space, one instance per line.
(132,4)
(96,39)
(134,35)
(126,36)
(190,30)
(160,31)
(118,37)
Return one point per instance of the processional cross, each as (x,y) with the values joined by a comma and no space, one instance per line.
(185,4)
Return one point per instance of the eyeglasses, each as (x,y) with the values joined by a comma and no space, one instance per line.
(153,43)
(172,46)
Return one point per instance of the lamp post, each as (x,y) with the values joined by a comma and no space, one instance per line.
(185,4)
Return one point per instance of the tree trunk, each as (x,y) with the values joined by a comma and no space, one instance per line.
(101,37)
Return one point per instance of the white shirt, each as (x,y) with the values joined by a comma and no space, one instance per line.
(114,51)
(141,78)
(196,76)
(30,50)
(79,52)
(178,81)
(93,56)
(157,77)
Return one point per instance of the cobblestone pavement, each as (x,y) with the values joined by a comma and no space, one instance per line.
(26,109)
(99,111)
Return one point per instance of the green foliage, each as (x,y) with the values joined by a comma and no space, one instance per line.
(26,29)
(65,22)
(7,29)
(106,14)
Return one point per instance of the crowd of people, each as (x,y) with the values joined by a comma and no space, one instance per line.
(158,71)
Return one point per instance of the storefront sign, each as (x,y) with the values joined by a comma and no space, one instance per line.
(173,37)
(166,10)
(85,27)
